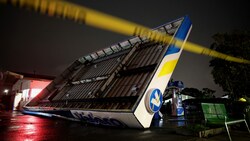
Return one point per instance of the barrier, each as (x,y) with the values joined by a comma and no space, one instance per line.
(97,19)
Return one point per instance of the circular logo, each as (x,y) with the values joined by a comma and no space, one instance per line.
(153,100)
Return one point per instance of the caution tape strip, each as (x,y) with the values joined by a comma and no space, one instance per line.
(97,19)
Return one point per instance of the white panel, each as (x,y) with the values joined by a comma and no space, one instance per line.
(160,83)
(141,112)
(120,119)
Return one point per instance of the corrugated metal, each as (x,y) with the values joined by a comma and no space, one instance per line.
(129,81)
(112,78)
(132,84)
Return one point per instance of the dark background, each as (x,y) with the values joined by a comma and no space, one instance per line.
(31,42)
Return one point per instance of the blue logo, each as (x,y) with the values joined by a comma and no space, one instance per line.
(154,100)
(90,118)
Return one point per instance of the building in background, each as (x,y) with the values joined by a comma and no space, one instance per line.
(19,88)
(7,96)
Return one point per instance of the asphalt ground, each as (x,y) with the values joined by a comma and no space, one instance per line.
(14,126)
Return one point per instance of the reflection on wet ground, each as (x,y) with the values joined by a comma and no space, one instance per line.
(14,126)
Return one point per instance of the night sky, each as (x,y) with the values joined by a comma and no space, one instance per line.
(47,45)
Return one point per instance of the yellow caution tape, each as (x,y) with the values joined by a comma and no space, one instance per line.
(97,19)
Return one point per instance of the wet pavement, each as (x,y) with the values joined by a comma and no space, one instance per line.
(14,126)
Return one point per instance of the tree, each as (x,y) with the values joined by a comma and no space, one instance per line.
(208,93)
(205,93)
(192,92)
(232,77)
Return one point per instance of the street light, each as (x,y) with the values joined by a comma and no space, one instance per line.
(6,91)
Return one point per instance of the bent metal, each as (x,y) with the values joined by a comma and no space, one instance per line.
(89,118)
